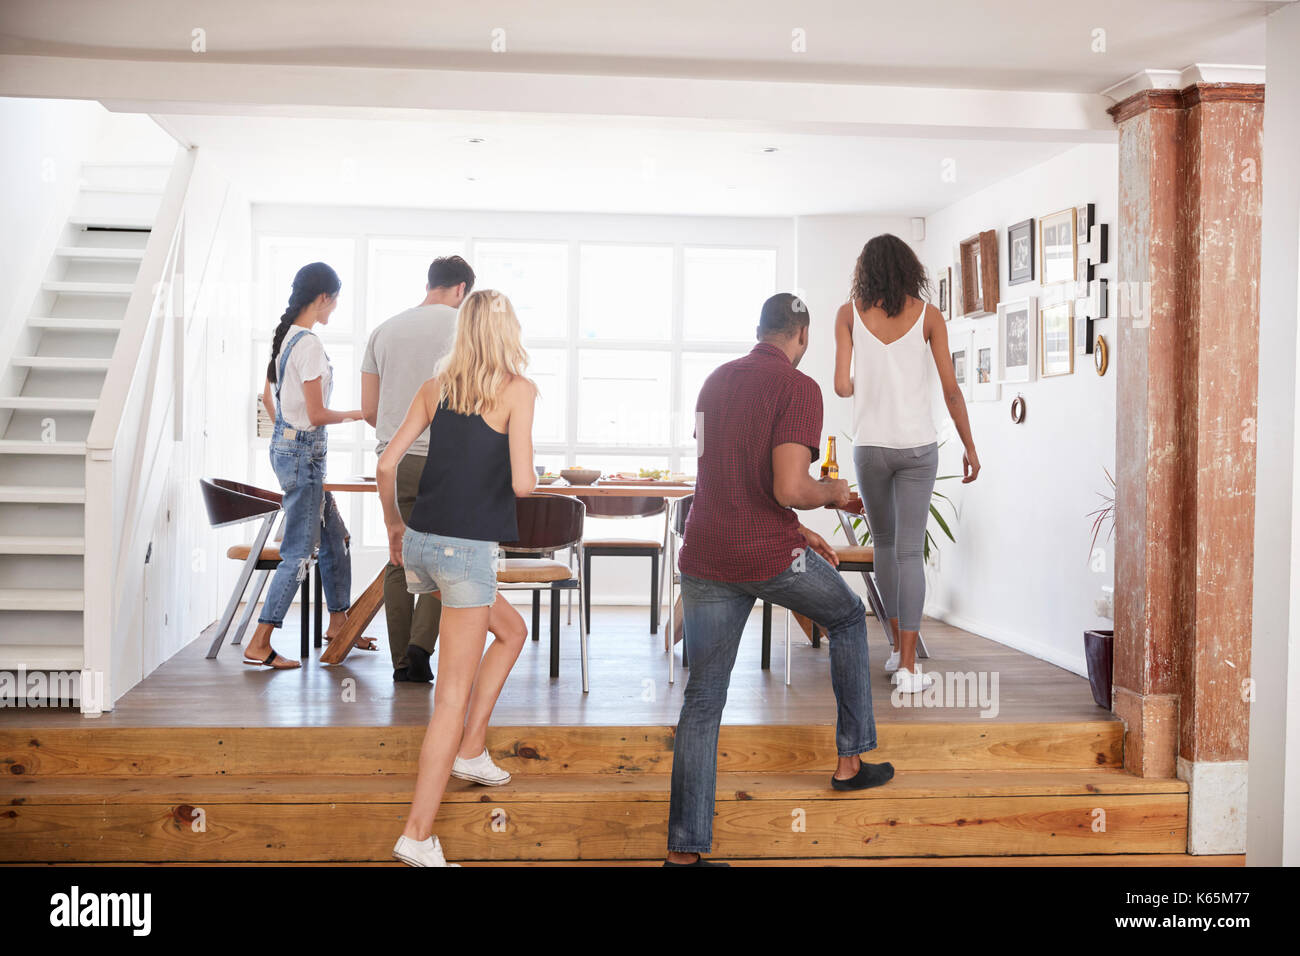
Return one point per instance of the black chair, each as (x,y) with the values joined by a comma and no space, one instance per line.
(632,506)
(231,503)
(547,524)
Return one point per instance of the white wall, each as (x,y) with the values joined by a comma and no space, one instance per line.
(1019,571)
(1273,823)
(43,145)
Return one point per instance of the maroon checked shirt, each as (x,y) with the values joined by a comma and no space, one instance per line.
(736,530)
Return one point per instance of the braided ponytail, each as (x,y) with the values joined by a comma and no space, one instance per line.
(312,280)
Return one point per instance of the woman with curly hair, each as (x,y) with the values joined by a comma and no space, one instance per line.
(887,338)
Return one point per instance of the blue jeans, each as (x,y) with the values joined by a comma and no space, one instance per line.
(715,613)
(462,570)
(299,464)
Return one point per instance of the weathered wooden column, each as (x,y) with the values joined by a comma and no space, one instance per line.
(1188,306)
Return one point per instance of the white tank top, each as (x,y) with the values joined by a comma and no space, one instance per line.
(892,387)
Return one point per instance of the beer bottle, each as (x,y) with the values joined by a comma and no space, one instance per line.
(830,467)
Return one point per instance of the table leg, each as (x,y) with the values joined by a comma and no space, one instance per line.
(360,615)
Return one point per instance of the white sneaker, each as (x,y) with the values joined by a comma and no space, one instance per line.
(481,769)
(420,852)
(891,665)
(910,682)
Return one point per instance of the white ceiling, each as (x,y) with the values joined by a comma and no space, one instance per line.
(588,165)
(992,44)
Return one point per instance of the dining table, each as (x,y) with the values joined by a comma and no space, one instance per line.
(365,607)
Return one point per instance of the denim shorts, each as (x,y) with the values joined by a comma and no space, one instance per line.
(462,569)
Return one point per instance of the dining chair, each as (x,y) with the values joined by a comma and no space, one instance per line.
(601,506)
(547,523)
(861,557)
(230,503)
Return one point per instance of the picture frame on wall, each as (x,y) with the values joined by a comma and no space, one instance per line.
(978,262)
(1020,252)
(983,372)
(1017,354)
(943,290)
(959,346)
(1058,247)
(1056,339)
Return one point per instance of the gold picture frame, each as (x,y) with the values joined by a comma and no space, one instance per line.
(1056,339)
(1058,247)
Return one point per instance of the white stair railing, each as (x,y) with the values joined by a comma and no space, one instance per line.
(128,452)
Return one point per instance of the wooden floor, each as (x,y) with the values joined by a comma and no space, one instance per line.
(629,685)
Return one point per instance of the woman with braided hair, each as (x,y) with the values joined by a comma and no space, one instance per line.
(299,379)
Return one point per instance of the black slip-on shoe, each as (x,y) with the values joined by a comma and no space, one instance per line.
(869,775)
(700,861)
(418,668)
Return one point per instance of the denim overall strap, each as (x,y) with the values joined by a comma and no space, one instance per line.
(279,378)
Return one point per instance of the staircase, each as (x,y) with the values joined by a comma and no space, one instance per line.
(590,794)
(49,393)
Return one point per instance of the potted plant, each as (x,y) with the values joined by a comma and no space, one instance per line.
(1099,645)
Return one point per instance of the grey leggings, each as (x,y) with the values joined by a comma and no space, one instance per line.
(895,485)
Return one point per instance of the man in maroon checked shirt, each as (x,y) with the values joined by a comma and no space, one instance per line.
(759,423)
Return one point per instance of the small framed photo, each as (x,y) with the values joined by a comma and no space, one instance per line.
(1058,247)
(1056,339)
(959,345)
(943,290)
(1020,252)
(1017,355)
(984,347)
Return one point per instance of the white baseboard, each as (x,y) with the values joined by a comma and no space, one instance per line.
(1074,663)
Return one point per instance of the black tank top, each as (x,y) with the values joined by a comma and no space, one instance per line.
(465,489)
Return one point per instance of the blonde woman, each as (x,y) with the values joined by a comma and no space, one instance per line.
(478,412)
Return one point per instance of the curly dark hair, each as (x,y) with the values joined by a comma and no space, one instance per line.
(886,273)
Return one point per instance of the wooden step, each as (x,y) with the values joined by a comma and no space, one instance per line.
(74,325)
(21,446)
(30,544)
(590,817)
(42,495)
(41,599)
(61,363)
(117,750)
(41,404)
(100,253)
(63,287)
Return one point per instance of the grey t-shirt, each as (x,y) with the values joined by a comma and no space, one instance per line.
(403,352)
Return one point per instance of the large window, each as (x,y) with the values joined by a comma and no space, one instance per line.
(620,338)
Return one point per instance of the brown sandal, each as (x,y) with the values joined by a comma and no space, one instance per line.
(271,658)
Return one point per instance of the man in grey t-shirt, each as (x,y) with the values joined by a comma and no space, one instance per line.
(400,357)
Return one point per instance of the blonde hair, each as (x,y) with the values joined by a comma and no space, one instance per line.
(486,354)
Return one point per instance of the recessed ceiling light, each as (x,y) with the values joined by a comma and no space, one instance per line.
(476,140)
(770,149)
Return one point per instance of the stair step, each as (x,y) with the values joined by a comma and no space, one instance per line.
(42,657)
(19,446)
(41,599)
(63,363)
(60,404)
(75,325)
(132,223)
(42,495)
(596,816)
(30,544)
(560,750)
(87,288)
(99,252)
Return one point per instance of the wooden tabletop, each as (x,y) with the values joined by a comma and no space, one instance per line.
(656,490)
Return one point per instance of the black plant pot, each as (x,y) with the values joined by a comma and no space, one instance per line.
(1099,649)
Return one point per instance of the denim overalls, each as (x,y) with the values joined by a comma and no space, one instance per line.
(298,458)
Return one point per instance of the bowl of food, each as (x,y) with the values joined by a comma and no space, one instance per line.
(580,476)
(546,478)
